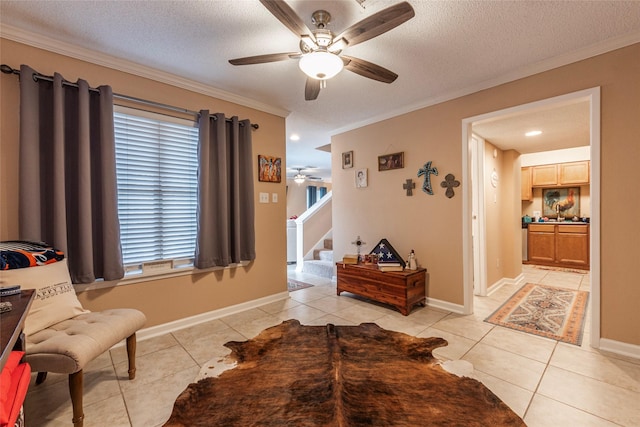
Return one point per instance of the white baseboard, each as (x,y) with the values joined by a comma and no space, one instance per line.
(445,305)
(621,348)
(505,281)
(165,328)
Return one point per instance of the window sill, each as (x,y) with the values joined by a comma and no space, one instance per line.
(140,278)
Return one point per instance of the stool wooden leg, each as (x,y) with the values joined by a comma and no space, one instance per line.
(131,354)
(75,389)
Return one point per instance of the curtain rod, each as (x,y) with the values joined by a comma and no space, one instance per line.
(6,69)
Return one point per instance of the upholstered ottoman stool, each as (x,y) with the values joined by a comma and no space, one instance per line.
(66,347)
(61,336)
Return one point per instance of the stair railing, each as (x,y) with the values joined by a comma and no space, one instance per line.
(312,227)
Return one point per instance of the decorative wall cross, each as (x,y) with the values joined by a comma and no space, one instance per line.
(427,170)
(409,186)
(449,183)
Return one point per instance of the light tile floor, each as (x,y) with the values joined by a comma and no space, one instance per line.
(545,382)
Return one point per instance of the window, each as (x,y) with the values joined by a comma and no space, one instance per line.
(157,167)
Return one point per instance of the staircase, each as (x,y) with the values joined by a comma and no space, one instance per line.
(322,262)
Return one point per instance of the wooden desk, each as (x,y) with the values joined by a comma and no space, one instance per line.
(401,289)
(12,323)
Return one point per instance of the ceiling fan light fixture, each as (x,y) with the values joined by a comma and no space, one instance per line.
(321,65)
(299,178)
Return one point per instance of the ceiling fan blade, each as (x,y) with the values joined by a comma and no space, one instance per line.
(261,59)
(311,89)
(378,23)
(283,12)
(368,69)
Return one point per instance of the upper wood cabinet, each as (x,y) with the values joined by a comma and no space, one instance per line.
(526,192)
(574,173)
(544,176)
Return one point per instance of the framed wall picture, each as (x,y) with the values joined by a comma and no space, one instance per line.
(347,159)
(391,161)
(269,168)
(563,202)
(361,178)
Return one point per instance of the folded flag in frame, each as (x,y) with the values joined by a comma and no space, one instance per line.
(386,253)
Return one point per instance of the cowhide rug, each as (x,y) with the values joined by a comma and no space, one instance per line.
(293,375)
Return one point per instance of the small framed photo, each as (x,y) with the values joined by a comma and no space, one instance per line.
(391,161)
(347,159)
(269,168)
(361,178)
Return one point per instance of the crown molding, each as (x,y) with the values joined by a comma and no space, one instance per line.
(536,68)
(42,42)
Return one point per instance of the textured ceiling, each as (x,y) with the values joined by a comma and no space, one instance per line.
(448,49)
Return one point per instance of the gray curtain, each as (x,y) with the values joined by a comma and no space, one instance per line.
(226,232)
(68,191)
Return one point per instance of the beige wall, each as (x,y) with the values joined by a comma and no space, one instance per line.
(432,225)
(502,215)
(511,261)
(297,196)
(167,299)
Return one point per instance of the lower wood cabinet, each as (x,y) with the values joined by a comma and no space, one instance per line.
(401,289)
(541,243)
(559,245)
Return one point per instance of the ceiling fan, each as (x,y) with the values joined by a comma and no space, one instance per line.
(321,51)
(299,177)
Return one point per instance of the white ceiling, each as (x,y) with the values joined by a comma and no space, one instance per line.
(450,48)
(563,125)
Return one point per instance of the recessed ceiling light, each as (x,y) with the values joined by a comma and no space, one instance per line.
(533,133)
(294,137)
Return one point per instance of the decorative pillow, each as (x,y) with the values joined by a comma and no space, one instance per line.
(22,254)
(55,298)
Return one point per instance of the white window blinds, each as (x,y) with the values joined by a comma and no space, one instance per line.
(157,167)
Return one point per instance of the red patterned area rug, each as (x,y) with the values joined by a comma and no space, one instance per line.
(547,311)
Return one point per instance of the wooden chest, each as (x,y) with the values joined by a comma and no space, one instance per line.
(401,289)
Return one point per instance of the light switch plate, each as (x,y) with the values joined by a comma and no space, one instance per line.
(264,197)
(274,197)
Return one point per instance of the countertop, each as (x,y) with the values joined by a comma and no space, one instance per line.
(525,224)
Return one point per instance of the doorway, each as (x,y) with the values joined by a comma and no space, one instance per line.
(472,172)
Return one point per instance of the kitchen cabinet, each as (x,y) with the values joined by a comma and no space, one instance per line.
(559,245)
(526,192)
(560,174)
(544,176)
(573,173)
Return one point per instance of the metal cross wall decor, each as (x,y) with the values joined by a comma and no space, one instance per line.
(409,186)
(449,183)
(427,170)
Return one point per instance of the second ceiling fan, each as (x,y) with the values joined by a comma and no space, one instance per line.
(321,48)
